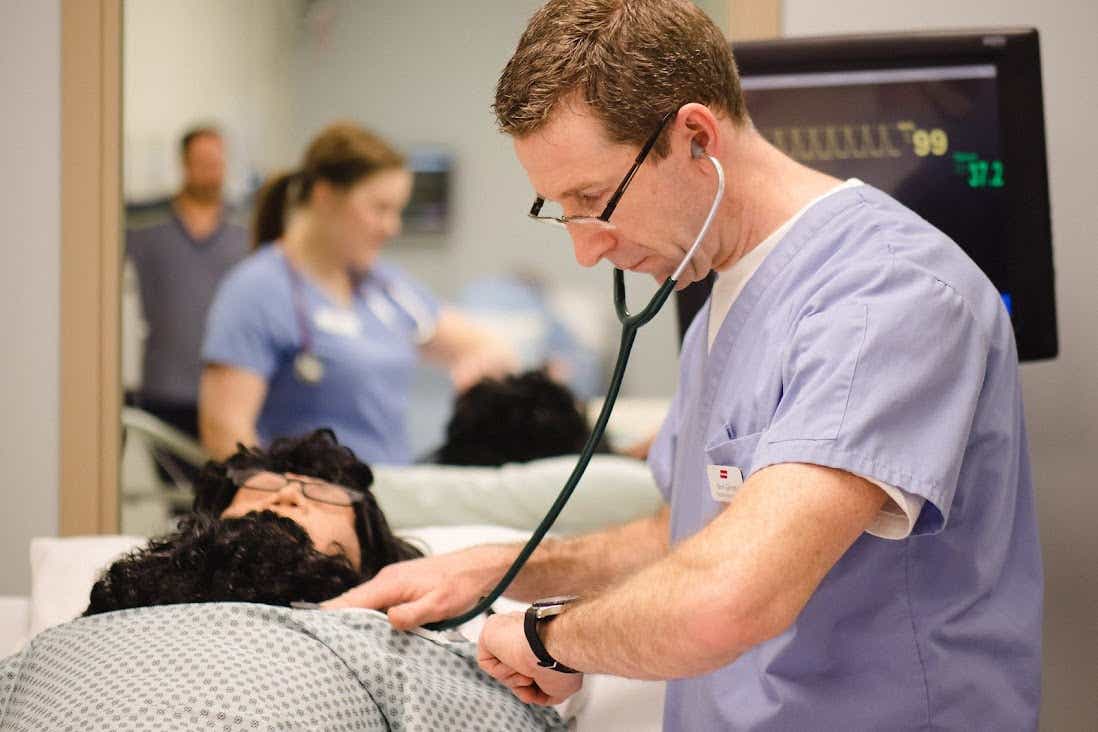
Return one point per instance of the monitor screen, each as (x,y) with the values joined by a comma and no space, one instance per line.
(929,136)
(950,124)
(428,209)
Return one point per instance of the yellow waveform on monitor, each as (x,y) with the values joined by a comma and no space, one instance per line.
(857,141)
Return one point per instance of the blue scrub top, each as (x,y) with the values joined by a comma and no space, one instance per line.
(368,350)
(868,341)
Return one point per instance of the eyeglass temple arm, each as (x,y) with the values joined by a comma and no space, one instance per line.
(613,202)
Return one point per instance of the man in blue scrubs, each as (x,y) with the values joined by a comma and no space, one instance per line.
(850,540)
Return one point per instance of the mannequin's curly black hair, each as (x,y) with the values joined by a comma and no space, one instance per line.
(260,557)
(517,418)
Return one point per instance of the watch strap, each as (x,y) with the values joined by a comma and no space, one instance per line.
(530,626)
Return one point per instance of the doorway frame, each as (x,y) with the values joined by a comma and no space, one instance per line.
(91,263)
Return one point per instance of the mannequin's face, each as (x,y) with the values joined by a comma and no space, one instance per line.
(331,528)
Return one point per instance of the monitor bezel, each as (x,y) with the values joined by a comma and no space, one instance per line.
(1015,53)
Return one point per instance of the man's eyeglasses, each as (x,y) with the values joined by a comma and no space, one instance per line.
(602,219)
(312,488)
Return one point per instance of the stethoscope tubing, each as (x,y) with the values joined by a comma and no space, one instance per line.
(630,324)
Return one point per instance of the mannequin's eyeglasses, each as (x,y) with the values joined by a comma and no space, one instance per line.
(312,488)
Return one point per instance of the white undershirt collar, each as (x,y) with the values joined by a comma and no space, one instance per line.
(731,282)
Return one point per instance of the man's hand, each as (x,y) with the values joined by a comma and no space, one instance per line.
(505,655)
(424,590)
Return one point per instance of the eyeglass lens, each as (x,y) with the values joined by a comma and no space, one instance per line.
(317,490)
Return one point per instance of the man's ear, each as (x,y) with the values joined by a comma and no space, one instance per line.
(697,128)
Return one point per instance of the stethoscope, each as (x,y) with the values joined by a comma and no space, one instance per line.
(307,365)
(630,324)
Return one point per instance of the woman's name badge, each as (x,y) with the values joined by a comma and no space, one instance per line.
(337,322)
(382,308)
(724,481)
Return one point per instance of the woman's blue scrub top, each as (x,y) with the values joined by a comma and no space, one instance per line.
(368,351)
(868,341)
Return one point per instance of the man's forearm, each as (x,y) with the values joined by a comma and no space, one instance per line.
(644,627)
(739,581)
(585,564)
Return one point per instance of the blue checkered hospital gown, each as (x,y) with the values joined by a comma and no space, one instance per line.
(239,666)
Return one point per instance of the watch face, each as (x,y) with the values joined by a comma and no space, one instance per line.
(558,600)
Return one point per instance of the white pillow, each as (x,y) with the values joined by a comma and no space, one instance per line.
(614,490)
(445,539)
(63,571)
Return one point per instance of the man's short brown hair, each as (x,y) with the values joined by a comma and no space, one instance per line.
(193,134)
(632,61)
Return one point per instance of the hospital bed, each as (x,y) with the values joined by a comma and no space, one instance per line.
(439,508)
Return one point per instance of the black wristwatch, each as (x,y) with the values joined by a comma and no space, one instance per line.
(544,611)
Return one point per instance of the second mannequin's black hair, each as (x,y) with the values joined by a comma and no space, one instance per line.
(517,418)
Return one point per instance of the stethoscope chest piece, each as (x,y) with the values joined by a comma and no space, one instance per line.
(308,368)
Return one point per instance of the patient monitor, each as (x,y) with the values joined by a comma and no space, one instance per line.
(950,124)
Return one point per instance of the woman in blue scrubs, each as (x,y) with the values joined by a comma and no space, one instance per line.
(313,330)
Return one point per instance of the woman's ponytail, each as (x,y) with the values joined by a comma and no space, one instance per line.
(269,221)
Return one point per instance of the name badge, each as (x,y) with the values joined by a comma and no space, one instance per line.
(724,482)
(383,309)
(337,322)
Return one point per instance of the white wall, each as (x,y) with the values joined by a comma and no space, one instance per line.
(205,61)
(191,62)
(30,193)
(1061,398)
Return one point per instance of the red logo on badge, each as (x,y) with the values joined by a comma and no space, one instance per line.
(724,474)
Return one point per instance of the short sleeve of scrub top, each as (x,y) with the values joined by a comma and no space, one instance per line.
(251,321)
(882,383)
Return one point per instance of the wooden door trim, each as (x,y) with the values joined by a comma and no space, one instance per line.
(753,20)
(91,251)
